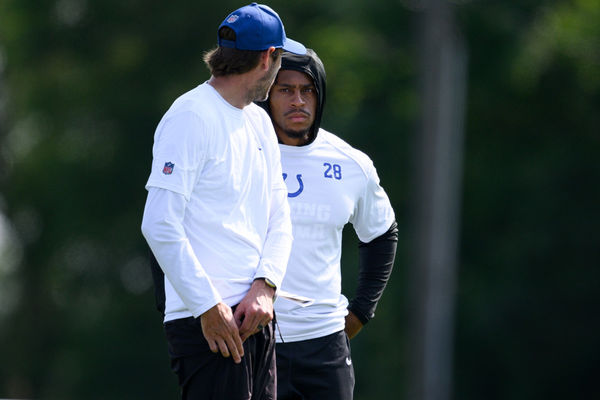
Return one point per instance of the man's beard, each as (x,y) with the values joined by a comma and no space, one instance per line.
(260,91)
(296,134)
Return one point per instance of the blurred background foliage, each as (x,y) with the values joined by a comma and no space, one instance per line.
(83,84)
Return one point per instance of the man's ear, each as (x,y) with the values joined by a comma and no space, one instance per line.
(266,59)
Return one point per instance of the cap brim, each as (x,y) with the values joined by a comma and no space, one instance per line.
(294,47)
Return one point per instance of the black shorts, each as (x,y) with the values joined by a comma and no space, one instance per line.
(206,375)
(318,368)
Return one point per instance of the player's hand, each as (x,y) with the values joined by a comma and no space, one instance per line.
(353,325)
(255,311)
(221,332)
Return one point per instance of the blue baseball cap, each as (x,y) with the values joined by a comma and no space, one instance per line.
(258,27)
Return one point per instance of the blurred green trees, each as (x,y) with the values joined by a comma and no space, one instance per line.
(84,83)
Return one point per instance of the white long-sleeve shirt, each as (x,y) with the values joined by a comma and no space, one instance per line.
(216,216)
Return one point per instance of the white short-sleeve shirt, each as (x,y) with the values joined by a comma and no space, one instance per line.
(329,184)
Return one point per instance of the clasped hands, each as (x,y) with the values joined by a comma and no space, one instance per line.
(225,331)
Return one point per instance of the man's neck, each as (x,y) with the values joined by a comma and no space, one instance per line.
(232,88)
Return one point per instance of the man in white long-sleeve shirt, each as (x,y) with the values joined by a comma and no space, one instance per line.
(216,216)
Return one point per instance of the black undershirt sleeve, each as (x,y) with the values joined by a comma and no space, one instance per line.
(375,263)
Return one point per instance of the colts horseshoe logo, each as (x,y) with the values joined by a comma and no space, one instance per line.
(297,192)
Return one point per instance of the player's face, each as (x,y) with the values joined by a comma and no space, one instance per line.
(293,101)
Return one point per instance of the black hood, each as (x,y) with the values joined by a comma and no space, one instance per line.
(312,66)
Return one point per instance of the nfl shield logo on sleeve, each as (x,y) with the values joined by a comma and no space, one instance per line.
(168,168)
